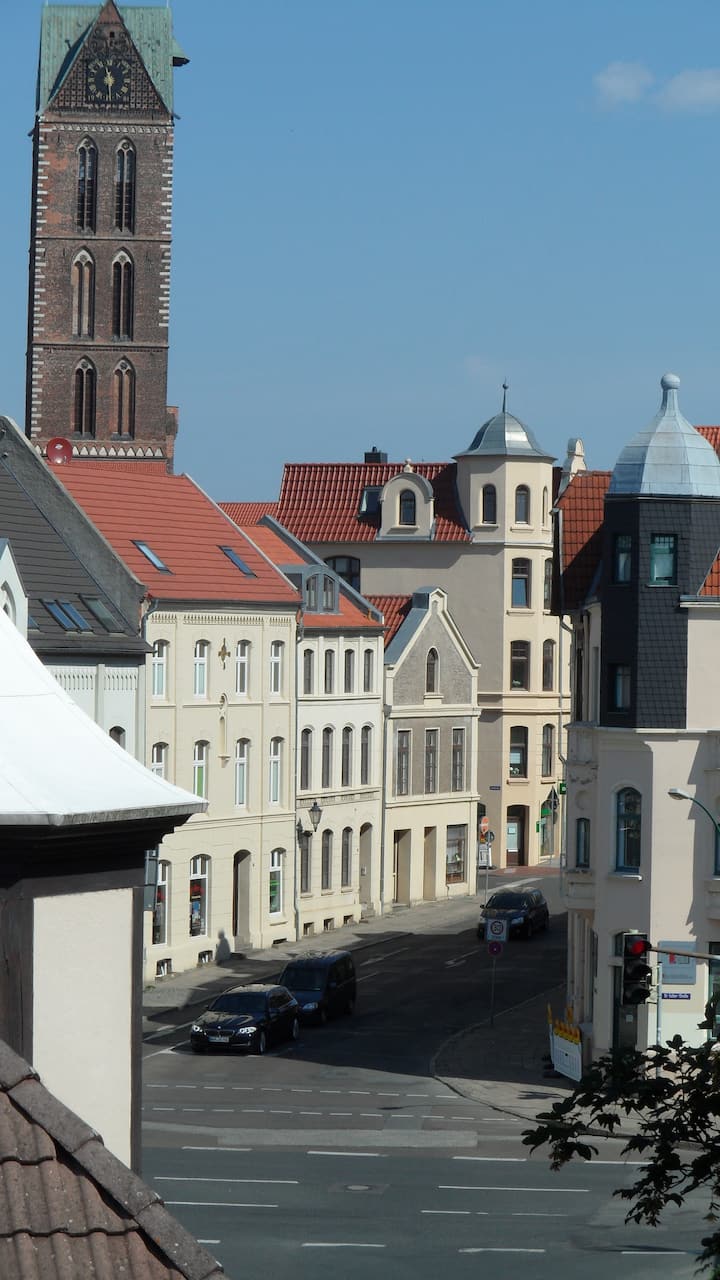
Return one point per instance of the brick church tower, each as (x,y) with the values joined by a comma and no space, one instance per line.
(100,233)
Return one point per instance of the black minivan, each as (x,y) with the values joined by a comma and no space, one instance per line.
(323,984)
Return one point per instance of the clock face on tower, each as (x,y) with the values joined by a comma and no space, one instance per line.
(108,81)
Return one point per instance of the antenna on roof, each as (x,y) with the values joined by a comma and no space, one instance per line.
(506,385)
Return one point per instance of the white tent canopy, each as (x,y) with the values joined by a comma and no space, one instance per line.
(57,767)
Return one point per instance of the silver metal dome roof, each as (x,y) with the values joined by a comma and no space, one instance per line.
(504,435)
(670,458)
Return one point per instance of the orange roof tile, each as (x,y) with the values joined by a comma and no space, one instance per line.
(395,610)
(712,434)
(247,513)
(710,588)
(350,615)
(182,526)
(319,502)
(582,506)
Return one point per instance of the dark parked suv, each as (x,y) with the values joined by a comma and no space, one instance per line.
(323,984)
(249,1018)
(524,909)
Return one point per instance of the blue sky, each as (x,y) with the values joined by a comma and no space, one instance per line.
(385,207)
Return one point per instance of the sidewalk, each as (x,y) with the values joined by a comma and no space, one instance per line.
(501,1066)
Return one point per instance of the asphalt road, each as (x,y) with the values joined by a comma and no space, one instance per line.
(343,1154)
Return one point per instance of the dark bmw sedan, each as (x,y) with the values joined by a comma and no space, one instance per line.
(250,1018)
(526,911)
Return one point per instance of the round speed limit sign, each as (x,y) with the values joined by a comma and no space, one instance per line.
(497,930)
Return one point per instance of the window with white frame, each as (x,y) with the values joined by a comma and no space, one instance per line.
(548,666)
(456,855)
(159,668)
(308,670)
(431,760)
(326,860)
(305,842)
(582,842)
(346,751)
(329,671)
(329,594)
(548,750)
(275,883)
(158,759)
(489,504)
(200,768)
(276,666)
(628,814)
(548,585)
(522,504)
(520,590)
(311,593)
(518,751)
(306,760)
(199,895)
(327,758)
(402,762)
(200,668)
(365,755)
(242,764)
(458,760)
(242,666)
(160,909)
(368,671)
(349,671)
(275,789)
(346,859)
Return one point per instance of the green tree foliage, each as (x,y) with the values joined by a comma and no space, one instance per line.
(665,1104)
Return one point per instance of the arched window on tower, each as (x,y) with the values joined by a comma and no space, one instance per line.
(86,185)
(83,295)
(407,507)
(489,504)
(124,399)
(84,384)
(122,300)
(125,187)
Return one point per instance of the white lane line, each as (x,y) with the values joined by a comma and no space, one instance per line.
(417,1095)
(459,959)
(374,1155)
(538,1215)
(382,1094)
(295,1090)
(492,1159)
(180,1086)
(489,1249)
(220,1204)
(237,1088)
(213,1086)
(270,1088)
(192,1108)
(338,1244)
(388,955)
(571,1191)
(231,1149)
(310,1113)
(329,1090)
(337,1113)
(277,1111)
(358,1093)
(162,1108)
(280,1182)
(446,1212)
(653,1253)
(374,1115)
(641,1163)
(253,1111)
(158,1086)
(200,1241)
(225,1110)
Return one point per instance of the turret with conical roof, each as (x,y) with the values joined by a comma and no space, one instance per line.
(669,458)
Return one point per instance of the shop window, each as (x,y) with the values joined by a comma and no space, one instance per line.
(275,883)
(160,910)
(199,895)
(456,855)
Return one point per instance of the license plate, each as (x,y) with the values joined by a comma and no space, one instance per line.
(219,1039)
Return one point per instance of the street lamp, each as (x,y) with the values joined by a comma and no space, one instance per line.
(677,793)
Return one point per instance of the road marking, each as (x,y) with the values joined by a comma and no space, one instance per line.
(417,1095)
(374,1115)
(493,1159)
(160,1086)
(466,1212)
(220,1204)
(654,1253)
(340,1113)
(188,1148)
(574,1191)
(338,1244)
(280,1182)
(236,1088)
(207,1241)
(310,1113)
(375,1155)
(213,1086)
(180,1086)
(270,1088)
(640,1163)
(382,1094)
(277,1111)
(388,955)
(296,1090)
(460,959)
(489,1249)
(358,1092)
(329,1090)
(192,1108)
(253,1111)
(225,1110)
(538,1215)
(162,1108)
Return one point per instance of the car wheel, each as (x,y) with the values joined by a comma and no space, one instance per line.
(261,1045)
(295,1029)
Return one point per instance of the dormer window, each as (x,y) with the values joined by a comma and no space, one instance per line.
(311,593)
(407,508)
(328,594)
(370,500)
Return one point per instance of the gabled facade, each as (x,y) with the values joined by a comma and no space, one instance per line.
(339,737)
(481,528)
(638,555)
(431,744)
(100,235)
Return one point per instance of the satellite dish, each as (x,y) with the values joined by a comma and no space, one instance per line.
(59,451)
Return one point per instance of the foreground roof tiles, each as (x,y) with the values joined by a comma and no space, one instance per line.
(395,610)
(319,502)
(248,513)
(180,525)
(582,507)
(68,1207)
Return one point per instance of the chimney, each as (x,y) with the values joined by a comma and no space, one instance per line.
(375,455)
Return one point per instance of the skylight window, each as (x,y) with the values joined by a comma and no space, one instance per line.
(32,624)
(101,612)
(61,613)
(370,500)
(239,564)
(154,559)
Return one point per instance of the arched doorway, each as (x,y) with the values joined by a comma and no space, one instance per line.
(241,899)
(516,835)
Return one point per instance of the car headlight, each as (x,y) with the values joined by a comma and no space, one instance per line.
(246,1031)
(196,1029)
(517,920)
(310,1008)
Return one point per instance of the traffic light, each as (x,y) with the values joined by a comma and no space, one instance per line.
(636,972)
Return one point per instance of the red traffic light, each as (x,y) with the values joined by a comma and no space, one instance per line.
(636,945)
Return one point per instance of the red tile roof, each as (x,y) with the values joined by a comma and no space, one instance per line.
(395,610)
(712,434)
(710,588)
(248,513)
(582,506)
(319,502)
(182,526)
(350,614)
